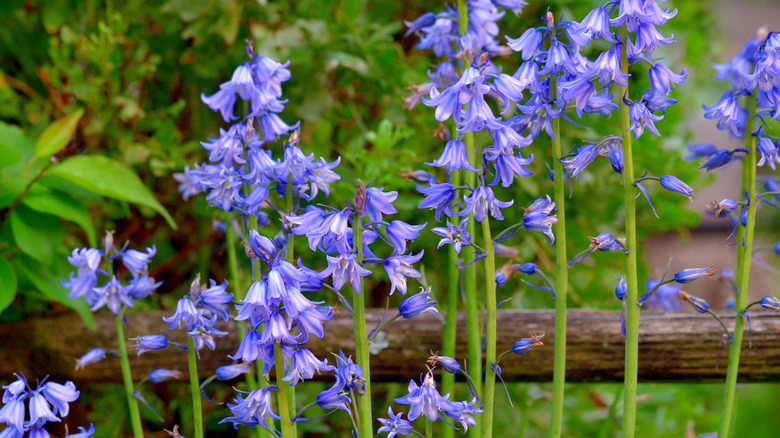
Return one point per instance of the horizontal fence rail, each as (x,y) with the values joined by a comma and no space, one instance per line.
(673,347)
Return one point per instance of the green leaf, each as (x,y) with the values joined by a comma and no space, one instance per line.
(8,156)
(63,206)
(111,178)
(10,190)
(57,135)
(51,285)
(36,234)
(7,284)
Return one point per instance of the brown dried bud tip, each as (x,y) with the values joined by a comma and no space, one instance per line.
(762,32)
(359,201)
(442,133)
(295,137)
(549,18)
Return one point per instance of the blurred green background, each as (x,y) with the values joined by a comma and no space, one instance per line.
(137,70)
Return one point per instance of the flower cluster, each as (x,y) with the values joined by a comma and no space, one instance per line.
(198,311)
(112,294)
(48,403)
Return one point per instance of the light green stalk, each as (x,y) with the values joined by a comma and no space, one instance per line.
(365,422)
(743,269)
(632,308)
(289,255)
(281,398)
(127,378)
(490,334)
(561,279)
(449,336)
(197,408)
(474,328)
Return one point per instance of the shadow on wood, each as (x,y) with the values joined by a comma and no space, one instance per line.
(673,347)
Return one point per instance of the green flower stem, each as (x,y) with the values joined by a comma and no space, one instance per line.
(743,269)
(449,338)
(428,428)
(490,334)
(132,403)
(474,328)
(362,358)
(632,308)
(289,255)
(197,408)
(561,278)
(281,396)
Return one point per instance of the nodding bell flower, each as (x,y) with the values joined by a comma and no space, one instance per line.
(161,375)
(94,355)
(698,304)
(524,345)
(417,304)
(449,364)
(689,275)
(769,302)
(526,268)
(537,217)
(726,205)
(621,288)
(672,183)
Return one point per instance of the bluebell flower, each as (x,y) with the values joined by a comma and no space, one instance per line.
(150,343)
(447,363)
(769,152)
(509,89)
(303,365)
(769,302)
(698,304)
(229,146)
(454,157)
(500,279)
(418,303)
(506,139)
(394,424)
(399,232)
(526,268)
(528,43)
(527,74)
(689,275)
(537,217)
(450,101)
(662,297)
(615,156)
(162,375)
(185,315)
(225,99)
(607,67)
(83,433)
(480,201)
(728,114)
(721,158)
(621,288)
(579,89)
(642,118)
(596,25)
(252,410)
(344,268)
(631,13)
(524,345)
(463,412)
(94,355)
(262,247)
(699,150)
(672,183)
(648,38)
(399,268)
(507,166)
(457,236)
(580,160)
(662,79)
(46,403)
(379,203)
(602,242)
(228,372)
(249,349)
(349,374)
(334,397)
(423,400)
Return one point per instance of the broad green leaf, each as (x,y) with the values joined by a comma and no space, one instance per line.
(57,135)
(36,234)
(7,284)
(51,285)
(107,177)
(8,156)
(10,190)
(63,206)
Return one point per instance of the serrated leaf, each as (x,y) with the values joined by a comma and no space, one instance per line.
(36,234)
(8,156)
(57,135)
(111,178)
(7,284)
(51,285)
(63,206)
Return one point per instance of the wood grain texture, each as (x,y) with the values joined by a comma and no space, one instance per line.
(674,347)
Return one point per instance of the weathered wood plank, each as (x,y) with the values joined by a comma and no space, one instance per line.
(673,347)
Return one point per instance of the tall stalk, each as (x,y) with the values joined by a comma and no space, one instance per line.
(127,378)
(490,333)
(449,335)
(561,278)
(743,269)
(197,408)
(632,308)
(284,409)
(365,422)
(289,256)
(474,328)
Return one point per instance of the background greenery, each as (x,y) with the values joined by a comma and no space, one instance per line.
(124,81)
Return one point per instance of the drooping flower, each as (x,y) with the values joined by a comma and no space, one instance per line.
(399,268)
